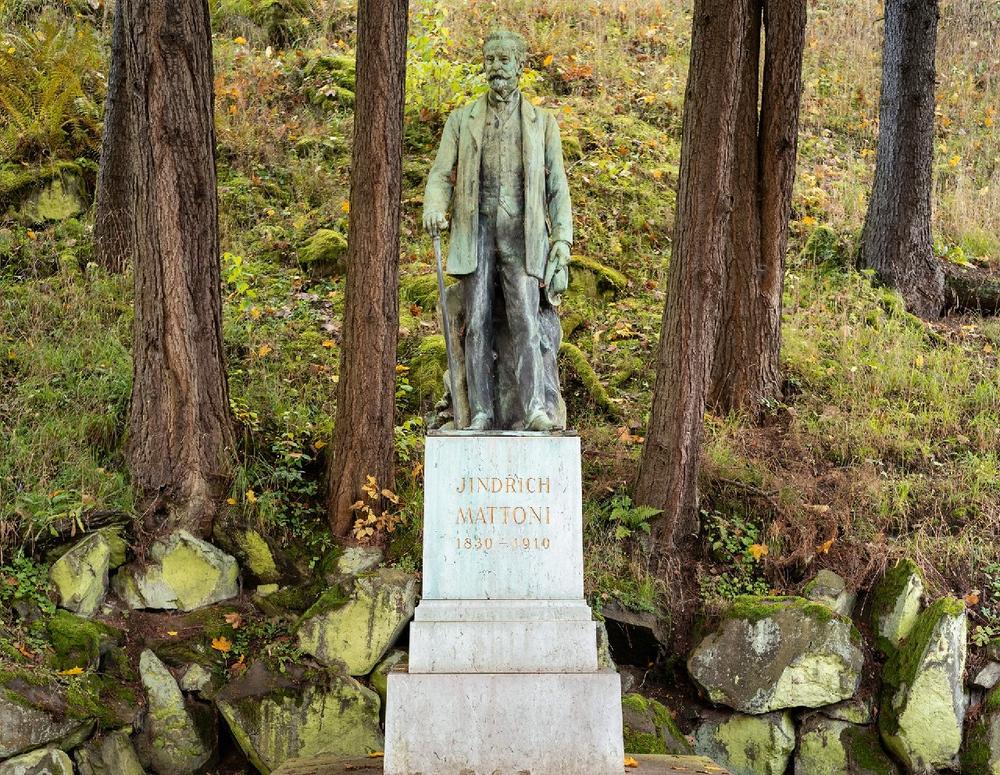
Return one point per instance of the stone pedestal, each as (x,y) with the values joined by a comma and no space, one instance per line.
(503,674)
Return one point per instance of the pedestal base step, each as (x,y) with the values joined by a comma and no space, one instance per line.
(504,724)
(503,647)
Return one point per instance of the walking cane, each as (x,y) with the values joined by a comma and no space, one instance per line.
(447,329)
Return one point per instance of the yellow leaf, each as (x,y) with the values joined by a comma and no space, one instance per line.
(808,220)
(547,61)
(402,368)
(328,343)
(239,40)
(376,754)
(255,312)
(251,496)
(223,644)
(954,160)
(264,350)
(919,361)
(824,548)
(71,671)
(32,235)
(630,762)
(657,174)
(345,206)
(987,348)
(172,633)
(390,495)
(758,550)
(319,444)
(231,501)
(234,619)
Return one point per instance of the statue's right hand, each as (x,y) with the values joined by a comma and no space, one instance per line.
(435,222)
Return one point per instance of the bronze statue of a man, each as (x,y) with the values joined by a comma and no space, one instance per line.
(500,167)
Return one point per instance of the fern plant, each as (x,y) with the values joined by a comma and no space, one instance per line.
(51,90)
(627,518)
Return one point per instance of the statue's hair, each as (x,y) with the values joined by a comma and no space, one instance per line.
(511,38)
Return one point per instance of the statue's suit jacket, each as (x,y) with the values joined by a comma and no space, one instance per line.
(547,210)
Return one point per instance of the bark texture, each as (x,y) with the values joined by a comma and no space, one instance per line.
(363,440)
(746,372)
(896,239)
(113,223)
(180,428)
(668,469)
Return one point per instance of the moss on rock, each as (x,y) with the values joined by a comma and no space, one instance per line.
(324,253)
(924,704)
(748,745)
(591,382)
(427,368)
(77,642)
(896,604)
(650,729)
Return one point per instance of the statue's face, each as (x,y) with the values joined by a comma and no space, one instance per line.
(502,67)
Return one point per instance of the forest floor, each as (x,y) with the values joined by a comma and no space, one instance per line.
(887,441)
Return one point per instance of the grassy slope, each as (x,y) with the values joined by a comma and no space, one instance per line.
(886,445)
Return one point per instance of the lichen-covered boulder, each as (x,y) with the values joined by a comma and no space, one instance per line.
(81,574)
(771,653)
(831,590)
(183,573)
(356,630)
(379,679)
(748,745)
(857,710)
(61,196)
(29,718)
(923,705)
(195,678)
(256,555)
(896,602)
(277,717)
(981,748)
(112,754)
(830,747)
(171,741)
(358,559)
(649,727)
(45,761)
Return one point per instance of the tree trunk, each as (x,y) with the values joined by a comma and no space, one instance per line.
(113,223)
(746,372)
(363,440)
(180,428)
(668,470)
(896,239)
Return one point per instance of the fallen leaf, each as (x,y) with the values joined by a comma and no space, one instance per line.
(630,762)
(234,620)
(251,496)
(71,671)
(972,598)
(758,550)
(223,644)
(328,343)
(345,206)
(376,754)
(824,548)
(263,350)
(24,650)
(548,60)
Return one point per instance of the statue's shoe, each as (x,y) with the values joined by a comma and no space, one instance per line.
(481,422)
(539,421)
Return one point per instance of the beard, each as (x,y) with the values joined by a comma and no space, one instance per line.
(502,84)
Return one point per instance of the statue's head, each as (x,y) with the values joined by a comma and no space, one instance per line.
(504,53)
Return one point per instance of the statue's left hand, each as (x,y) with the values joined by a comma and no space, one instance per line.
(558,259)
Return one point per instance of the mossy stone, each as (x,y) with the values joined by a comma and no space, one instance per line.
(62,196)
(77,642)
(830,589)
(595,280)
(324,253)
(256,555)
(981,747)
(896,601)
(379,678)
(27,720)
(81,574)
(170,741)
(748,745)
(357,632)
(771,653)
(274,719)
(112,754)
(831,747)
(45,761)
(924,704)
(650,729)
(427,368)
(183,573)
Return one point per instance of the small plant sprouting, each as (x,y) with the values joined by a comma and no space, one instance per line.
(627,518)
